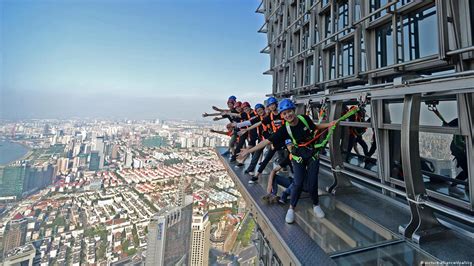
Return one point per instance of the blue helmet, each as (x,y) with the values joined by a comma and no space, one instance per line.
(271,101)
(232,99)
(259,105)
(286,104)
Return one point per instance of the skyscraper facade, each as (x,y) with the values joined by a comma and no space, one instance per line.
(169,236)
(94,163)
(200,239)
(15,233)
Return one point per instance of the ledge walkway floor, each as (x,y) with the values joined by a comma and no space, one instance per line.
(360,228)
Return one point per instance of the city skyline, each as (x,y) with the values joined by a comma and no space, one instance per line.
(140,59)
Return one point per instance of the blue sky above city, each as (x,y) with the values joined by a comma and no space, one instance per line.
(134,59)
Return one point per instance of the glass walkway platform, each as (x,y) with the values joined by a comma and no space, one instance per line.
(361,227)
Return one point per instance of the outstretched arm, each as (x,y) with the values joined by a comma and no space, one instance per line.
(218,132)
(326,125)
(211,114)
(215,108)
(244,152)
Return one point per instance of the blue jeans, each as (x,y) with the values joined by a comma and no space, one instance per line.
(305,173)
(254,161)
(266,160)
(284,182)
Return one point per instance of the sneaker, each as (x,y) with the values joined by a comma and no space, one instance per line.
(318,211)
(267,197)
(282,201)
(273,199)
(283,198)
(251,173)
(290,216)
(253,180)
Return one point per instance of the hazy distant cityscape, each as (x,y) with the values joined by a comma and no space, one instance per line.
(85,192)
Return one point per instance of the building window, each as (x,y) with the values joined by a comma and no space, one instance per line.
(293,76)
(309,71)
(357,10)
(420,39)
(332,64)
(315,33)
(376,4)
(342,15)
(306,40)
(363,55)
(327,25)
(346,59)
(384,45)
(320,69)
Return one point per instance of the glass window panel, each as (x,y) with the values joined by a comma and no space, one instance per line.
(332,64)
(342,15)
(384,45)
(433,113)
(393,112)
(316,32)
(419,40)
(328,25)
(376,4)
(396,171)
(396,254)
(363,56)
(444,160)
(346,59)
(360,149)
(320,66)
(357,10)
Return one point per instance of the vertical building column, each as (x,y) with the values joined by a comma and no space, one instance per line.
(423,225)
(466,122)
(340,180)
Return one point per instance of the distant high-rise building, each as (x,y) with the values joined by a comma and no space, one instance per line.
(62,165)
(94,163)
(17,180)
(137,163)
(15,233)
(38,177)
(169,237)
(200,239)
(200,142)
(100,147)
(128,159)
(23,256)
(212,142)
(115,152)
(12,179)
(189,143)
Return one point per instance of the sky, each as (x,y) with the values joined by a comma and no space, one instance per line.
(136,59)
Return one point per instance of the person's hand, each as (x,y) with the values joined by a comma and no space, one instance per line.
(216,119)
(241,132)
(333,123)
(205,115)
(243,154)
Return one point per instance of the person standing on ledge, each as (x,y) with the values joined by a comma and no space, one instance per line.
(299,132)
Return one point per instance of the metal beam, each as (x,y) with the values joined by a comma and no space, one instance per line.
(423,225)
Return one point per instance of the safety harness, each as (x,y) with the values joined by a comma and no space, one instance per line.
(316,135)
